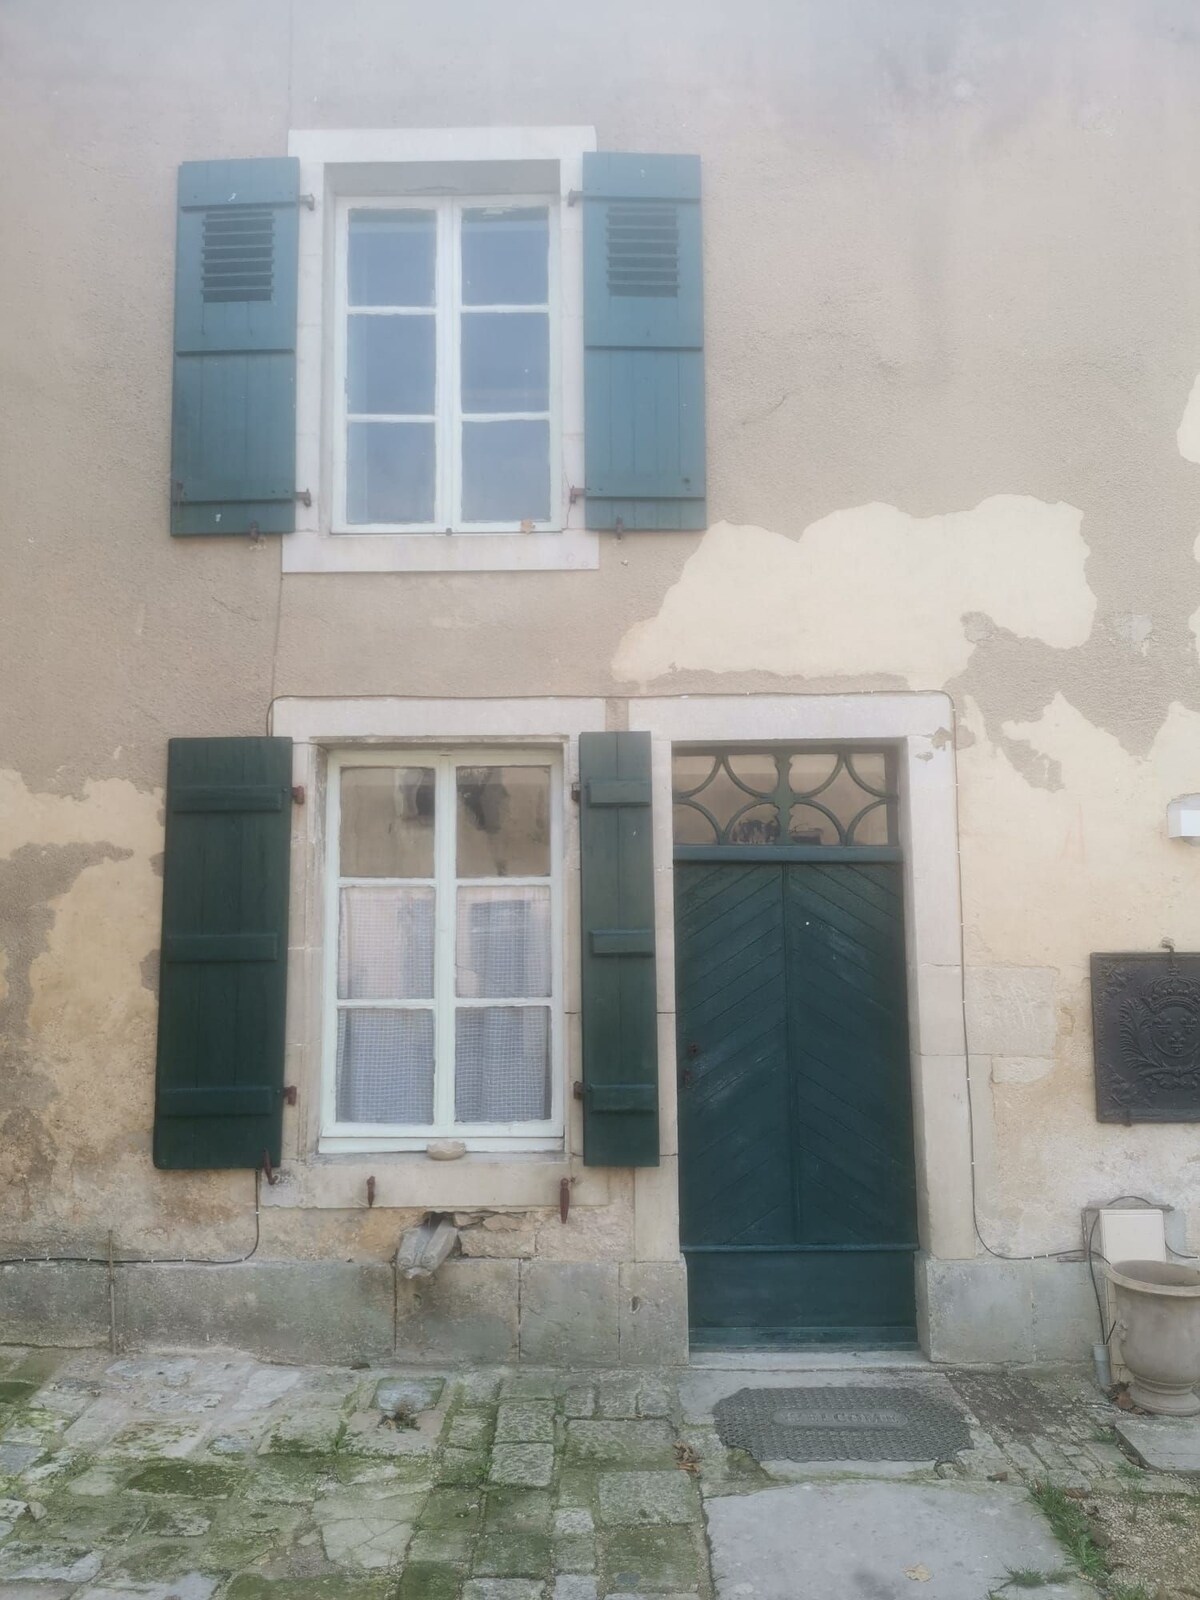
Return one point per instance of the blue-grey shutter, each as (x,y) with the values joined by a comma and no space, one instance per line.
(643,315)
(233,428)
(619,1000)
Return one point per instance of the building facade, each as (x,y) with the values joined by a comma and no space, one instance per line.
(600,619)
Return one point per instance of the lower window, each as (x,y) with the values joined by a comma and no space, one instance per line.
(444,950)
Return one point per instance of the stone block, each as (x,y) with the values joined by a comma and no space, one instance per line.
(653,1314)
(339,1312)
(1011,1010)
(523,1466)
(653,1560)
(466,1312)
(512,1555)
(644,1443)
(977,1310)
(525,1422)
(1066,1322)
(504,1589)
(569,1312)
(518,1511)
(54,1303)
(634,1499)
(574,1588)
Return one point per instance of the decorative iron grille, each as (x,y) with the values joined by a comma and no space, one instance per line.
(806,795)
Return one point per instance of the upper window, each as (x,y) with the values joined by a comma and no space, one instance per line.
(445,962)
(446,366)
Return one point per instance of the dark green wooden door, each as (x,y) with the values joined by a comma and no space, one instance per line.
(798,1211)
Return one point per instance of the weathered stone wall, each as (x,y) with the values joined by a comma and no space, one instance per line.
(952,337)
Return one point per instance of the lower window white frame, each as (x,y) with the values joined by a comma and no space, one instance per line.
(500,1136)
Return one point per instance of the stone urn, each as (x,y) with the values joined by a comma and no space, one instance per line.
(1158,1324)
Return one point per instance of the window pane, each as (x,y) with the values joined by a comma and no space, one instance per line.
(505,361)
(389,472)
(503,822)
(385,1066)
(503,941)
(506,471)
(390,364)
(385,947)
(391,258)
(504,257)
(387,823)
(502,1064)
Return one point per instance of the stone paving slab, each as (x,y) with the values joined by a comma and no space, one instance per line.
(1164,1444)
(880,1541)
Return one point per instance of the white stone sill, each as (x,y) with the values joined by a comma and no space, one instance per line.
(410,1181)
(571,550)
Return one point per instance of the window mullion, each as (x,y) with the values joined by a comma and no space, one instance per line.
(454,387)
(445,935)
(447,364)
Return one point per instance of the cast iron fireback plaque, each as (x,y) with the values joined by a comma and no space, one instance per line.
(842,1424)
(1146,1037)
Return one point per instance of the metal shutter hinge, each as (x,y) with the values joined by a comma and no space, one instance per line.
(574,196)
(575,494)
(304,496)
(289,1094)
(309,200)
(298,795)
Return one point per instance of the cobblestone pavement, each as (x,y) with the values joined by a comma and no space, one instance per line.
(216,1475)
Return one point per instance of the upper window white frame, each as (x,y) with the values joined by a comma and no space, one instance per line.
(394,166)
(447,312)
(446,759)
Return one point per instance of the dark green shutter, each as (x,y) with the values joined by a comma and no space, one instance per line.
(643,318)
(223,967)
(233,429)
(620,1023)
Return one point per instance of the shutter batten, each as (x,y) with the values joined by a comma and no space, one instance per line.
(620,1021)
(643,339)
(233,433)
(223,967)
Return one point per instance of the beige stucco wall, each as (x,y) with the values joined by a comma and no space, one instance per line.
(953,325)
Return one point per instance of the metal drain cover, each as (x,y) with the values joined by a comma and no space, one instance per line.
(831,1424)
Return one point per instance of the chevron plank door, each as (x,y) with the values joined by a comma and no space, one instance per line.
(797,1190)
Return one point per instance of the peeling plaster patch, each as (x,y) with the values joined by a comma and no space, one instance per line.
(870,589)
(1035,766)
(150,970)
(1188,433)
(30,880)
(1074,850)
(1133,630)
(114,810)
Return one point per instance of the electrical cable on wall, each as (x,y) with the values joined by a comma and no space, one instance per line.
(150,1261)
